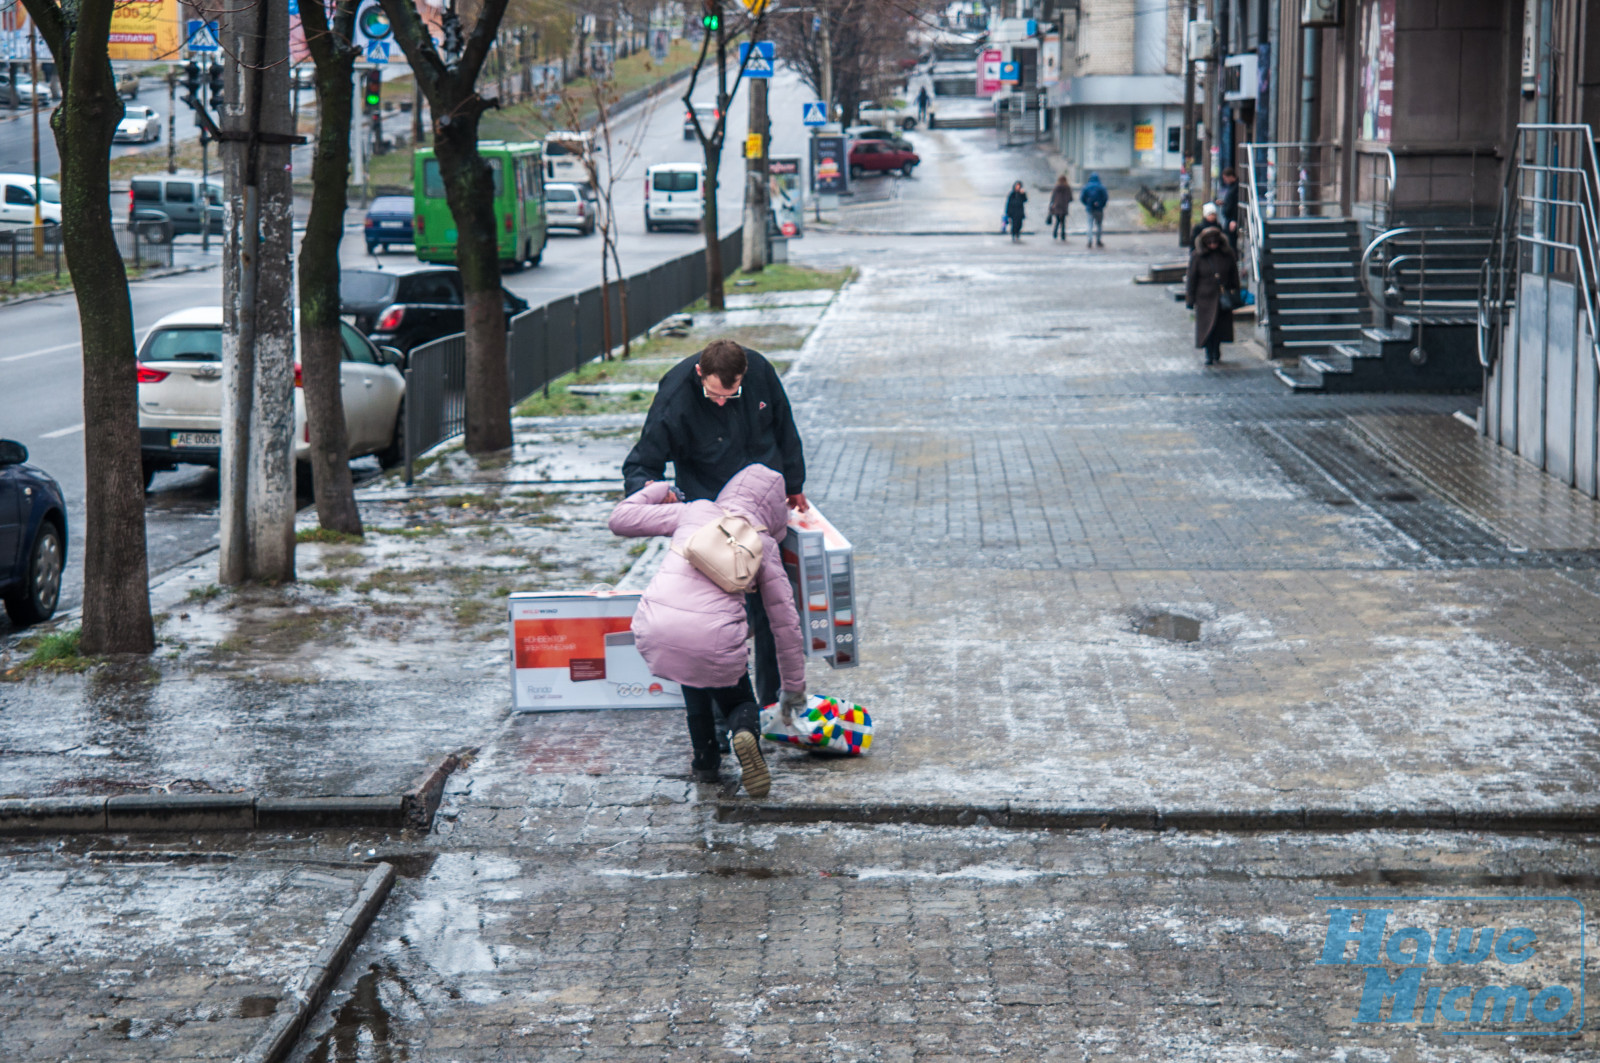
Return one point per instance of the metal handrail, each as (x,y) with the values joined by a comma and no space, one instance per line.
(1449,236)
(1496,294)
(1264,154)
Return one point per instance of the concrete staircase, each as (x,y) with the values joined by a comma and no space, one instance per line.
(1308,276)
(1410,356)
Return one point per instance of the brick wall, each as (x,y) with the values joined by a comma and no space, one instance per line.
(1105,38)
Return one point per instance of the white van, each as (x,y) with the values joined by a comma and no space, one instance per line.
(16,201)
(674,194)
(564,150)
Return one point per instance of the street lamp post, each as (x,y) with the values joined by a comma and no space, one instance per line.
(38,185)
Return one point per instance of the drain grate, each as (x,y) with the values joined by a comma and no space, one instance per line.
(1174,627)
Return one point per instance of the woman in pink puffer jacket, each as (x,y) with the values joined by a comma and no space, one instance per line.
(693,632)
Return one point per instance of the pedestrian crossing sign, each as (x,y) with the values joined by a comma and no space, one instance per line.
(377,51)
(759,64)
(813,113)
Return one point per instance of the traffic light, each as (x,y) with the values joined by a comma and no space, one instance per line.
(371,89)
(712,19)
(214,79)
(191,76)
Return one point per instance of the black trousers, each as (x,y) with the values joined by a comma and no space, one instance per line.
(701,704)
(1016,227)
(1059,231)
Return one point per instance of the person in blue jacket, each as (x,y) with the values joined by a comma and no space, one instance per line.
(1094,197)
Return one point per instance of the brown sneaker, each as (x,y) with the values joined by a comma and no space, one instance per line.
(753,775)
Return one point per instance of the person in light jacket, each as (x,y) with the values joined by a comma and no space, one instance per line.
(693,632)
(1212,271)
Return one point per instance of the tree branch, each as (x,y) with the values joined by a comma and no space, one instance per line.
(52,23)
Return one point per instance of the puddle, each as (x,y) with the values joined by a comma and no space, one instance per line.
(407,865)
(257,1007)
(360,1026)
(1174,627)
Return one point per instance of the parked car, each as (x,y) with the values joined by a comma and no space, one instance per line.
(184,201)
(887,117)
(128,85)
(405,310)
(33,537)
(139,124)
(17,202)
(26,90)
(708,115)
(180,395)
(674,194)
(868,132)
(388,222)
(880,156)
(571,206)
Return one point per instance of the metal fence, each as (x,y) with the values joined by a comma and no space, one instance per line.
(546,342)
(23,258)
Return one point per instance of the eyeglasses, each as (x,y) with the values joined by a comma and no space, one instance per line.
(708,393)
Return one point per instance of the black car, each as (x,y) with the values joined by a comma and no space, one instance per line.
(388,222)
(406,310)
(33,537)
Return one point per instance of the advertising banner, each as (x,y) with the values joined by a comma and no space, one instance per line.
(576,651)
(786,194)
(989,61)
(145,30)
(829,165)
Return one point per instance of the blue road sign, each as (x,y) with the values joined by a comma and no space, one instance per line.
(201,35)
(814,113)
(377,51)
(760,64)
(1010,72)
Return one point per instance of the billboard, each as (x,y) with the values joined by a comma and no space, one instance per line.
(144,30)
(829,168)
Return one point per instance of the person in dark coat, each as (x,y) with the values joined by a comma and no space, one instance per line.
(1015,210)
(1212,271)
(715,413)
(1095,197)
(1060,203)
(1228,207)
(1208,220)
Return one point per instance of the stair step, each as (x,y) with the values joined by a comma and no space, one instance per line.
(1387,335)
(1353,353)
(1326,363)
(1354,297)
(1331,247)
(1353,327)
(1286,311)
(1321,263)
(1303,381)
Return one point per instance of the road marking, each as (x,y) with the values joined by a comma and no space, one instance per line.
(42,350)
(59,432)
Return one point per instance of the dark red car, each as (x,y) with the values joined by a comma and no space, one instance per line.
(881,156)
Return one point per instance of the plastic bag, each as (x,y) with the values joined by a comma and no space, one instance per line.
(827,726)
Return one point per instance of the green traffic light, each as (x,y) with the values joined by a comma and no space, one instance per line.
(711,22)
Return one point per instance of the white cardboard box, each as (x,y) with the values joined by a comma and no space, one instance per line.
(575,651)
(821,567)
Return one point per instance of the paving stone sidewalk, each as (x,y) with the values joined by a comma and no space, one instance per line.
(145,956)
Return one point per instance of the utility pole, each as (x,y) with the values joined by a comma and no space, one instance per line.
(755,178)
(1186,183)
(172,119)
(38,185)
(1209,115)
(258,337)
(827,66)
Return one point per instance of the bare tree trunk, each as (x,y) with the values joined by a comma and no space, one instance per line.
(321,347)
(469,188)
(116,582)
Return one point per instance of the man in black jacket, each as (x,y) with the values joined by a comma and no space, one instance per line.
(714,413)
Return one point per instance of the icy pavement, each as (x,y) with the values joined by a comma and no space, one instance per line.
(168,957)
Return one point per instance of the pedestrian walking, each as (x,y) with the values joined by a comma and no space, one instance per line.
(1095,197)
(1015,209)
(691,631)
(1208,220)
(922,106)
(715,413)
(1060,203)
(1211,290)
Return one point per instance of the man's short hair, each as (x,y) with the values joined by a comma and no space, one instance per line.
(1230,172)
(725,360)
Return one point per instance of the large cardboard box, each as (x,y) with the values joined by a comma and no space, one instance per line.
(576,651)
(821,567)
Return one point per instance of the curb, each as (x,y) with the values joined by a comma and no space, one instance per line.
(175,271)
(1245,820)
(311,988)
(143,813)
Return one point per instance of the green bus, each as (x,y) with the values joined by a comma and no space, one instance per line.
(518,204)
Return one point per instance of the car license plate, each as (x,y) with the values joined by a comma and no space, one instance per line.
(197,439)
(392,224)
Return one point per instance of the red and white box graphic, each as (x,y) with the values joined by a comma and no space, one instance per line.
(576,651)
